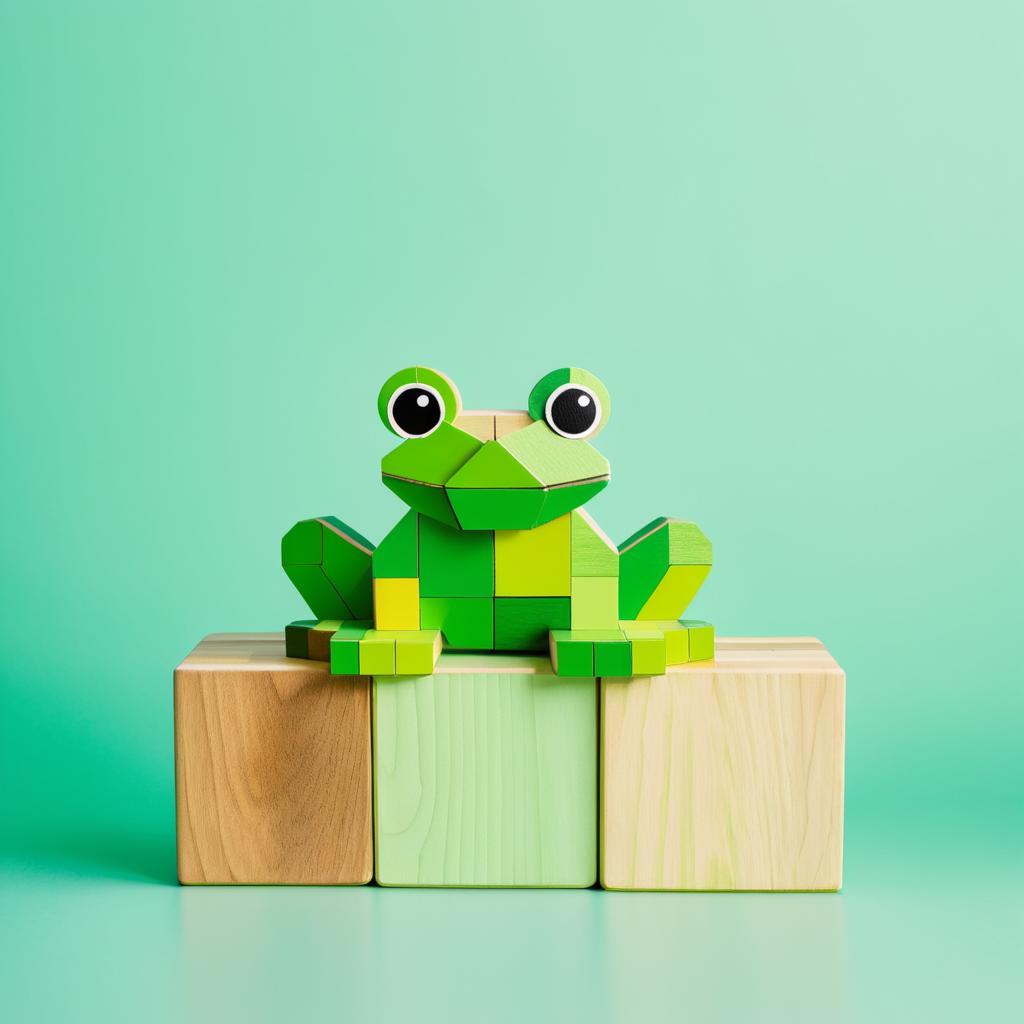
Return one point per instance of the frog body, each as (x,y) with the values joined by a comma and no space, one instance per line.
(495,552)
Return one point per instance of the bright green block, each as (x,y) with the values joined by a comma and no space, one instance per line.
(348,568)
(485,776)
(432,459)
(642,566)
(303,544)
(455,563)
(397,556)
(496,508)
(466,623)
(431,501)
(316,590)
(344,656)
(613,659)
(702,639)
(523,623)
(572,657)
(414,652)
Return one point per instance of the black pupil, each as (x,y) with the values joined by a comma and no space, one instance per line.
(416,411)
(573,411)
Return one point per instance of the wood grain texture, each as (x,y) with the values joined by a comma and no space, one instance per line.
(272,767)
(726,775)
(486,775)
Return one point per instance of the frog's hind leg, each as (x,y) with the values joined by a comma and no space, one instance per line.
(330,565)
(661,568)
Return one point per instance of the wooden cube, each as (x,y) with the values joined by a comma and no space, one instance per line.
(485,774)
(727,774)
(272,767)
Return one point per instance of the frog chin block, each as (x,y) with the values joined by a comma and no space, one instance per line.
(496,553)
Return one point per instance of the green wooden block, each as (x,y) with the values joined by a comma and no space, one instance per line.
(485,774)
(595,602)
(497,509)
(523,623)
(550,460)
(571,656)
(296,638)
(376,655)
(316,590)
(303,544)
(493,466)
(643,562)
(455,562)
(347,563)
(559,500)
(344,648)
(613,659)
(702,639)
(416,651)
(431,501)
(592,553)
(687,544)
(433,459)
(397,555)
(648,650)
(466,623)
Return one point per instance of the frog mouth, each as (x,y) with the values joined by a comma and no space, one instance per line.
(495,508)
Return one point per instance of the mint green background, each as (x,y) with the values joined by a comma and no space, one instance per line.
(787,236)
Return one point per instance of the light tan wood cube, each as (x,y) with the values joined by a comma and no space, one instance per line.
(272,767)
(727,774)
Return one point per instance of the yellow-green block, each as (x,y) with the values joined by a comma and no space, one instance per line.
(648,650)
(533,563)
(376,655)
(674,593)
(702,639)
(595,602)
(416,652)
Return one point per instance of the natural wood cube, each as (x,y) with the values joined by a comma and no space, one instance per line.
(485,774)
(272,767)
(728,774)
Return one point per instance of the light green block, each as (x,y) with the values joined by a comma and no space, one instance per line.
(702,639)
(486,776)
(592,554)
(648,651)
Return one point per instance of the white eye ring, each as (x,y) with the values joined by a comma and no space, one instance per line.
(587,392)
(401,391)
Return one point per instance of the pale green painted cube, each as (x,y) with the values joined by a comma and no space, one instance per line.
(485,774)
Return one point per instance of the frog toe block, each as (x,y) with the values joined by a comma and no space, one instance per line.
(330,565)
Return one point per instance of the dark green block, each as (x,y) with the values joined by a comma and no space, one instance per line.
(523,623)
(613,659)
(431,501)
(397,556)
(303,543)
(642,566)
(296,638)
(455,563)
(316,590)
(345,654)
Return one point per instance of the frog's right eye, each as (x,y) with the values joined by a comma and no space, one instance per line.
(415,410)
(416,401)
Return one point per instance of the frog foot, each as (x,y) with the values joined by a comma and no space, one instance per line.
(636,648)
(355,648)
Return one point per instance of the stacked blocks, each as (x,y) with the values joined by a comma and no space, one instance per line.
(633,752)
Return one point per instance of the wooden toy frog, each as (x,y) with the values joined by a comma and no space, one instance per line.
(495,552)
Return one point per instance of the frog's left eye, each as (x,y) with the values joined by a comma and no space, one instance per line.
(414,402)
(573,410)
(415,410)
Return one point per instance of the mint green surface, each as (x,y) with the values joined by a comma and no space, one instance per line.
(786,236)
(485,778)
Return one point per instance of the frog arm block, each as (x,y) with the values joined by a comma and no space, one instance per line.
(661,568)
(330,565)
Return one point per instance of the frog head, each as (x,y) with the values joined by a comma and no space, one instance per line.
(494,470)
